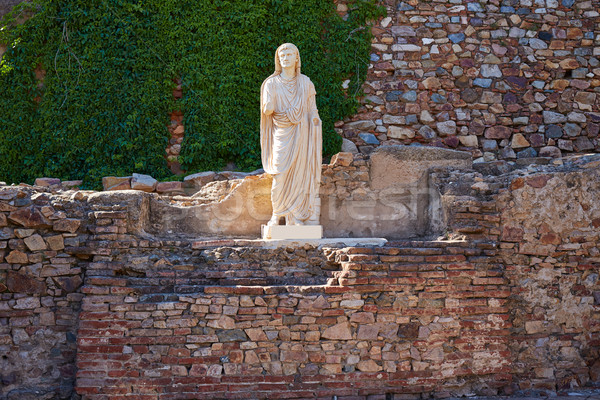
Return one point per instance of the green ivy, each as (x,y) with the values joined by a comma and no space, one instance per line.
(103,106)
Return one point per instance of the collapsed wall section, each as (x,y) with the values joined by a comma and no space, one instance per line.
(508,302)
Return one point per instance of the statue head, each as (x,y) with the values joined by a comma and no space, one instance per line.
(282,55)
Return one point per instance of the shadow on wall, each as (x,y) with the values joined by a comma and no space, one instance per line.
(387,195)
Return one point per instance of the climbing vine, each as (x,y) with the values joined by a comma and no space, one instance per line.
(86,85)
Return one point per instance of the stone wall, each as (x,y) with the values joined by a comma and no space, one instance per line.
(502,79)
(507,303)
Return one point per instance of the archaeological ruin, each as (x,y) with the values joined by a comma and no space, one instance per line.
(460,253)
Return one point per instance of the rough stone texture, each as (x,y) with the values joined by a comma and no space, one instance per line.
(142,182)
(506,304)
(116,183)
(515,65)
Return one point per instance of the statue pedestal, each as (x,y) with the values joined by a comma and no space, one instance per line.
(279,232)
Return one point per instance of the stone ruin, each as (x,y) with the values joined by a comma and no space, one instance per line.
(487,284)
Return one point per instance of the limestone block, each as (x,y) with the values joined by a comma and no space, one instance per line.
(170,188)
(142,182)
(348,146)
(35,243)
(116,183)
(45,182)
(282,232)
(196,181)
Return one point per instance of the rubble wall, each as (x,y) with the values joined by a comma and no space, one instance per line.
(508,302)
(503,79)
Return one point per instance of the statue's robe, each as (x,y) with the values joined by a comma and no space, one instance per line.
(291,146)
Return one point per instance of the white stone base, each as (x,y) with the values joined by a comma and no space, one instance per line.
(282,232)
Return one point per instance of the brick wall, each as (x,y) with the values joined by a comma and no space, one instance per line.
(508,303)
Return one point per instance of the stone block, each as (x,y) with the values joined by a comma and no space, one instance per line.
(66,225)
(398,132)
(339,331)
(116,183)
(170,188)
(35,243)
(142,182)
(29,217)
(46,182)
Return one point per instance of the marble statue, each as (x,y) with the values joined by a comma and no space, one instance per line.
(291,140)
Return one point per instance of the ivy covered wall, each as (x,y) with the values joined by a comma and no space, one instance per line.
(86,86)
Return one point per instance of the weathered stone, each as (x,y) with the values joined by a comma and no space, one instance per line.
(426,132)
(508,153)
(491,98)
(585,100)
(527,153)
(469,95)
(35,243)
(363,318)
(398,132)
(408,331)
(224,322)
(231,335)
(142,182)
(446,128)
(16,257)
(173,187)
(498,132)
(519,141)
(490,71)
(554,131)
(394,119)
(55,242)
(368,366)
(572,129)
(451,141)
(30,217)
(469,141)
(456,37)
(22,233)
(565,145)
(403,30)
(20,283)
(537,44)
(582,143)
(342,159)
(27,303)
(67,225)
(574,116)
(339,331)
(69,283)
(256,335)
(368,138)
(294,356)
(406,47)
(116,183)
(569,63)
(348,146)
(197,181)
(550,151)
(361,125)
(432,83)
(72,184)
(551,117)
(537,140)
(45,182)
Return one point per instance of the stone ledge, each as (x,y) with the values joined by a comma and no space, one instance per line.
(275,243)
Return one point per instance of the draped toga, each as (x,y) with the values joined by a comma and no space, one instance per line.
(291,145)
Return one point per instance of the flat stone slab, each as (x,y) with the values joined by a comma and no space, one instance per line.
(276,243)
(282,232)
